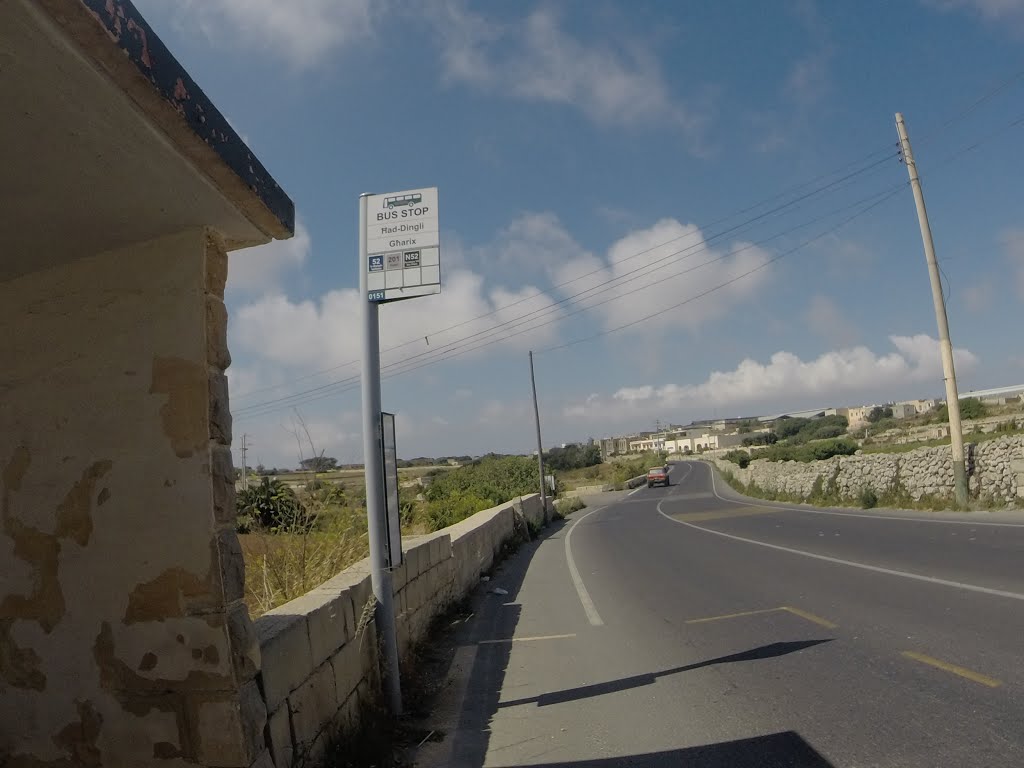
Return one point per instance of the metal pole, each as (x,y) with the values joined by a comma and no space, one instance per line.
(956,435)
(540,445)
(372,462)
(245,474)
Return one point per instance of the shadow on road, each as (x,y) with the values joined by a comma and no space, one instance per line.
(778,750)
(770,651)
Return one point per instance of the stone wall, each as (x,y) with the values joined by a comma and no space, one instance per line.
(319,652)
(995,469)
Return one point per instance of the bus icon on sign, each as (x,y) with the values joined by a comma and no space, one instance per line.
(399,200)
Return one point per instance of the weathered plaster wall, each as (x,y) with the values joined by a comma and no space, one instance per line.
(319,651)
(123,640)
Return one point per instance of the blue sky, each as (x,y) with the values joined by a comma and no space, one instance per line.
(700,173)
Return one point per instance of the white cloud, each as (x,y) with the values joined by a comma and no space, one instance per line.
(299,32)
(661,266)
(837,378)
(258,270)
(316,334)
(536,60)
(533,241)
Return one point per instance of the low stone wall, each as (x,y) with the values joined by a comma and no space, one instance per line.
(995,469)
(319,666)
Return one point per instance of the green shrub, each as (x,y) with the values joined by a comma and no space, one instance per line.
(738,457)
(816,451)
(868,498)
(272,506)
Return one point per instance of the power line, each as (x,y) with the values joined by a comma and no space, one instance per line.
(454,350)
(770,261)
(600,287)
(880,157)
(958,115)
(459,347)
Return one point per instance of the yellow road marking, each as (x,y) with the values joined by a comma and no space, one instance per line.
(810,617)
(703,517)
(528,639)
(789,609)
(732,615)
(968,674)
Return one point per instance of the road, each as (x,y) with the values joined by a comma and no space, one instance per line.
(686,626)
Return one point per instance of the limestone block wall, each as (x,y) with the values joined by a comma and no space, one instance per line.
(319,651)
(995,470)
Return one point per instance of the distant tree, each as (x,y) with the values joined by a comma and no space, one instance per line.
(878,413)
(573,456)
(319,464)
(787,427)
(972,408)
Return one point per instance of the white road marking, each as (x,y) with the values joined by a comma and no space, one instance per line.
(851,563)
(792,508)
(588,605)
(527,639)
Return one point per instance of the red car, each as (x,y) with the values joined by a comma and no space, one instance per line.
(657,476)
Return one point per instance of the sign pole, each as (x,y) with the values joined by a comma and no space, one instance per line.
(372,462)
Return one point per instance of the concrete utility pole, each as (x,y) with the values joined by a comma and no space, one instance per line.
(540,445)
(245,473)
(956,435)
(373,461)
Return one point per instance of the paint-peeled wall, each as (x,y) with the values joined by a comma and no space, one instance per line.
(122,637)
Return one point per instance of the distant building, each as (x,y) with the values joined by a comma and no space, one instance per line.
(904,410)
(857,416)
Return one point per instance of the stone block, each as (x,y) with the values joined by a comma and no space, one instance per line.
(219,408)
(222,473)
(232,564)
(313,707)
(287,656)
(216,266)
(330,626)
(228,732)
(245,644)
(265,760)
(399,576)
(279,728)
(217,353)
(347,666)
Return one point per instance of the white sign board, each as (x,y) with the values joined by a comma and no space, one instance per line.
(402,245)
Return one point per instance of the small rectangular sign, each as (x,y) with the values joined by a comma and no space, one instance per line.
(406,219)
(376,263)
(394,261)
(412,259)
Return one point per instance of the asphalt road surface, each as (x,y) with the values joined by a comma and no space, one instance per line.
(686,626)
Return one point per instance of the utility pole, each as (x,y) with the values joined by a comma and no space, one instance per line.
(540,445)
(373,461)
(245,474)
(956,436)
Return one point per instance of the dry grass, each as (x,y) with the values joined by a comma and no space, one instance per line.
(282,566)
